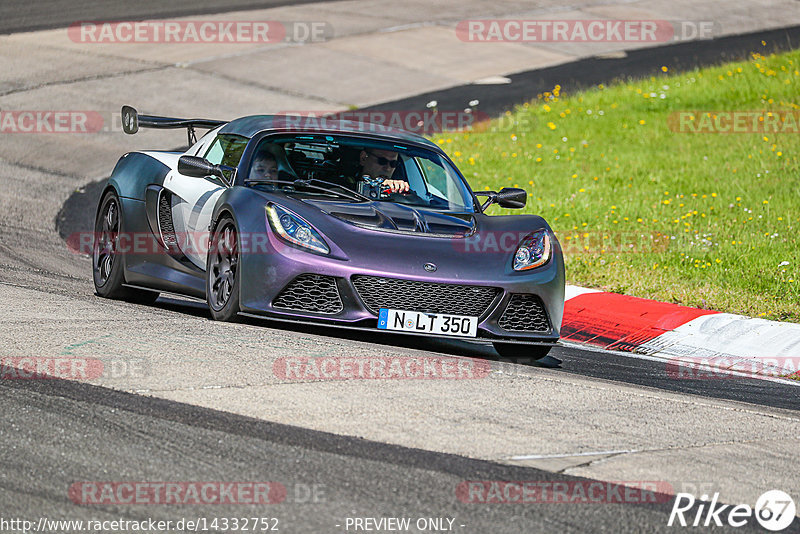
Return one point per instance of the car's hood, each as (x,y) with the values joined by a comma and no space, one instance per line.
(392,217)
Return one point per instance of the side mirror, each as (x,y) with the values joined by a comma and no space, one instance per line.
(511,197)
(508,197)
(198,167)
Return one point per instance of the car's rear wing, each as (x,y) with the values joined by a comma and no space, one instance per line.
(131,121)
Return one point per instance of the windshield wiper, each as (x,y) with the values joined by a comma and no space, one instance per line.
(339,187)
(336,189)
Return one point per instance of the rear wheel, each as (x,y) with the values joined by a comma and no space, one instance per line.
(519,352)
(107,268)
(222,272)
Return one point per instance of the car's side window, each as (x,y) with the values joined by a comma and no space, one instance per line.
(227,150)
(435,175)
(215,152)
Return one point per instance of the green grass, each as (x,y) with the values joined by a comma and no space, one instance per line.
(701,219)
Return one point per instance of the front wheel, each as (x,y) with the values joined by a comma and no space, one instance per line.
(222,272)
(520,353)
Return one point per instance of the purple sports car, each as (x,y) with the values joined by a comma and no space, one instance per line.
(343,224)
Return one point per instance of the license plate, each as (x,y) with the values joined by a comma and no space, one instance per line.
(429,323)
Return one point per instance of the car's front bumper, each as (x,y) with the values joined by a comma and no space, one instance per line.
(266,278)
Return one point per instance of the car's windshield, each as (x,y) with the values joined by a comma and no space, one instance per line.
(386,172)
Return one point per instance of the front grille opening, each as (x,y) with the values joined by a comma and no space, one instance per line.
(525,313)
(413,295)
(310,293)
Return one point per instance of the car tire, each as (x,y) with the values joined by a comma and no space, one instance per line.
(521,353)
(222,271)
(107,268)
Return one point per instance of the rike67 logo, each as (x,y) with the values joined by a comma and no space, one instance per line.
(774,511)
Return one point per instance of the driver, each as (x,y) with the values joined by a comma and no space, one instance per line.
(382,163)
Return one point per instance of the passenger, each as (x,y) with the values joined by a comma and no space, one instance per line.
(265,167)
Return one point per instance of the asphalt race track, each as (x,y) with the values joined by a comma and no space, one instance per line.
(495,99)
(208,407)
(18,16)
(157,440)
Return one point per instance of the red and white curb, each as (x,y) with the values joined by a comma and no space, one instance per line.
(693,343)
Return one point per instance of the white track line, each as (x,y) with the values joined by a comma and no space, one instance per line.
(591,453)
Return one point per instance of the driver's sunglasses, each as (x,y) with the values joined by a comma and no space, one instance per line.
(384,161)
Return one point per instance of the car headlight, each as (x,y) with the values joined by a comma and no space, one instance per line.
(294,229)
(533,251)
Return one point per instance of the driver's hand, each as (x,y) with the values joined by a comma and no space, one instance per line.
(396,186)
